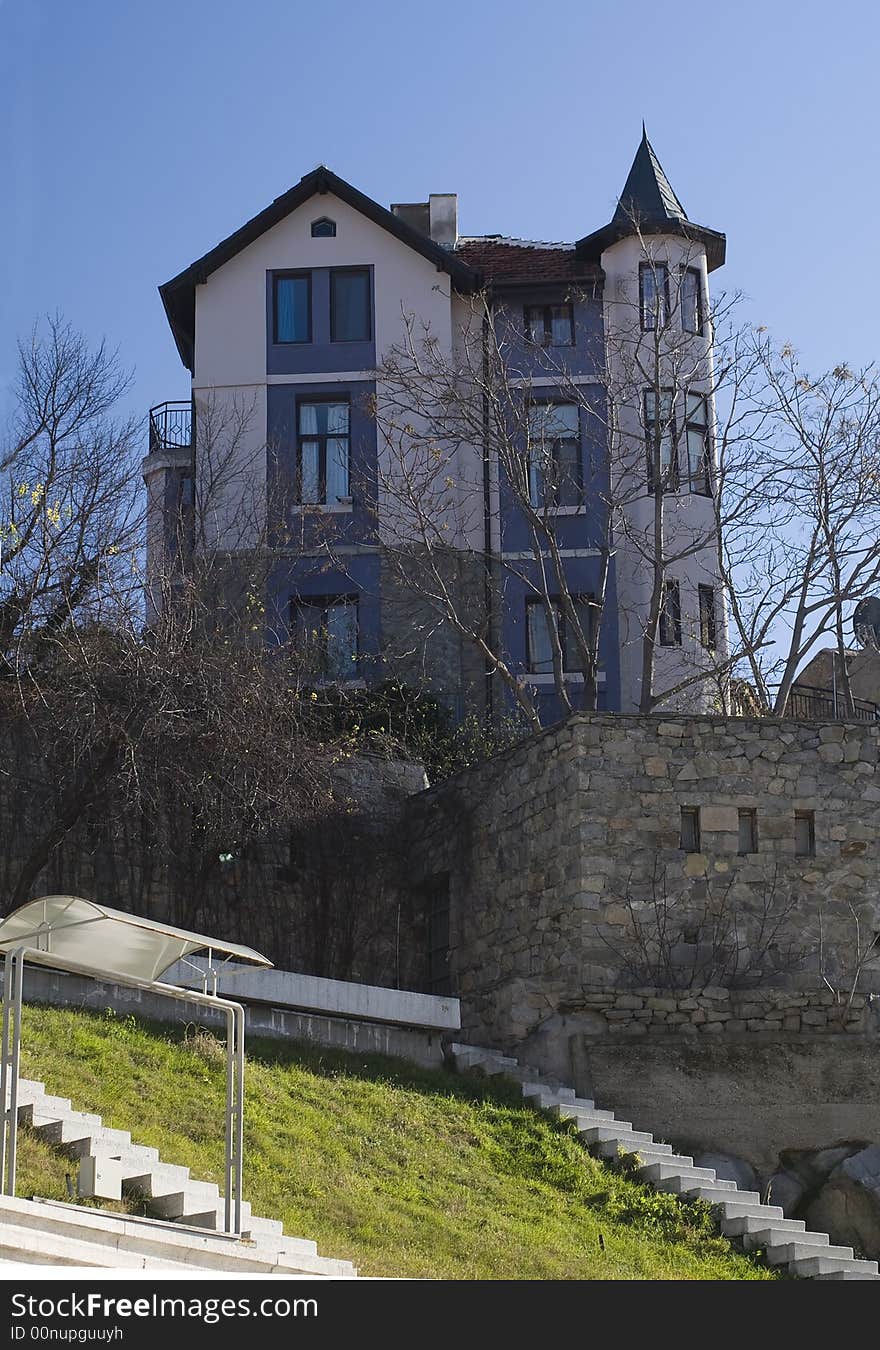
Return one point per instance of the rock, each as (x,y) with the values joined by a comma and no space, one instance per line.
(730,1168)
(814,1166)
(848,1205)
(785,1189)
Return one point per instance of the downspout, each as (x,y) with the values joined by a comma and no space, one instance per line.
(487,521)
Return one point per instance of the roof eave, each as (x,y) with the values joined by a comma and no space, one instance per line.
(592,246)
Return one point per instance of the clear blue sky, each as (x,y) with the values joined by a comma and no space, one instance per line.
(135,135)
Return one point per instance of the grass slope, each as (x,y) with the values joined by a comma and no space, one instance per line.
(404,1171)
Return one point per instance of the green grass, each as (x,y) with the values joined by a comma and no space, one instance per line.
(403,1171)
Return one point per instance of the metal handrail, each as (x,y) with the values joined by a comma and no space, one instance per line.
(819,705)
(171,426)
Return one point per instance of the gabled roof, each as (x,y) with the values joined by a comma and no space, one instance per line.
(178,295)
(649,204)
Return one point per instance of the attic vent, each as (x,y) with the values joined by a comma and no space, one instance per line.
(324,228)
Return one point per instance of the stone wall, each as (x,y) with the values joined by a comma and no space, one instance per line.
(715,1011)
(567,878)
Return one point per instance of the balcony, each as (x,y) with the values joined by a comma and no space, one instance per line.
(807,704)
(170,427)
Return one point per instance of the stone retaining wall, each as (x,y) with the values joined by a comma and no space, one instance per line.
(715,1011)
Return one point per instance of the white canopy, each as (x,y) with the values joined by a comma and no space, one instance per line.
(107,942)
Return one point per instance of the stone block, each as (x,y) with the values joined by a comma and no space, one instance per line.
(725,818)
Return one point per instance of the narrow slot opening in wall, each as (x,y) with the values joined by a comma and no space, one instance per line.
(690,829)
(805,834)
(748,831)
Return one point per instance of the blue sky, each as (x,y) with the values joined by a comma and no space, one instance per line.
(134,136)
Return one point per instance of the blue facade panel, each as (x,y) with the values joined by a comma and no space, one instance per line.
(355,576)
(290,526)
(321,355)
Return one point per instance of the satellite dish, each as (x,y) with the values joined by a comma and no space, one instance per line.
(866,622)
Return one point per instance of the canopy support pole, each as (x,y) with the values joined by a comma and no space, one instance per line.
(13,980)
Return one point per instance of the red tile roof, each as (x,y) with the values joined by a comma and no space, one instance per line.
(518,260)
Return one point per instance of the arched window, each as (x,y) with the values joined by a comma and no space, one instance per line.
(324,228)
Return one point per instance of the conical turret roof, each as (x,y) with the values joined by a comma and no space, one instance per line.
(649,204)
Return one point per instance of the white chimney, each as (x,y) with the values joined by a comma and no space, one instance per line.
(443,218)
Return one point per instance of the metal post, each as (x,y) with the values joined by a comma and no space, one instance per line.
(230,1113)
(17,986)
(238,1015)
(4,1065)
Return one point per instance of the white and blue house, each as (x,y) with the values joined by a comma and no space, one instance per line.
(289,317)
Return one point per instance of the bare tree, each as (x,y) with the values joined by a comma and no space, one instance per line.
(805,545)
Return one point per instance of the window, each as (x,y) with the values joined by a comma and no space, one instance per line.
(708,629)
(555,477)
(690,829)
(350,305)
(660,441)
(322,453)
(748,831)
(539,645)
(697,436)
(293,307)
(653,295)
(805,834)
(691,300)
(325,631)
(670,616)
(550,325)
(324,228)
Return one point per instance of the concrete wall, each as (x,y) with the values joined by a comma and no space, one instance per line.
(360,1035)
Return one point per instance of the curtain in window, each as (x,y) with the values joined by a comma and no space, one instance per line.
(310,454)
(560,326)
(291,309)
(540,645)
(690,300)
(351,309)
(342,641)
(337,451)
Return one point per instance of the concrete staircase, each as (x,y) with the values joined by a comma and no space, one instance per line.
(185,1220)
(741,1214)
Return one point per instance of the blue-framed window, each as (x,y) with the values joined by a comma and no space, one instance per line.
(325,631)
(323,439)
(653,295)
(350,319)
(691,300)
(539,634)
(555,459)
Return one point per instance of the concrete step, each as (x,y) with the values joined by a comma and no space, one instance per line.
(848,1275)
(685,1186)
(580,1114)
(658,1173)
(737,1205)
(746,1224)
(84,1141)
(798,1248)
(613,1149)
(53,1233)
(545,1097)
(773,1236)
(811,1267)
(195,1200)
(43,1110)
(68,1129)
(156,1180)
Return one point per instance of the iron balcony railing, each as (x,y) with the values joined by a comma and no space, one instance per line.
(170,427)
(808,704)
